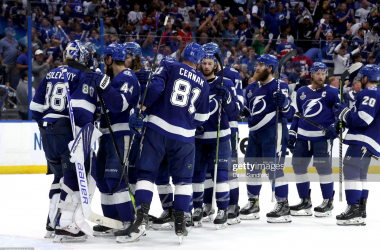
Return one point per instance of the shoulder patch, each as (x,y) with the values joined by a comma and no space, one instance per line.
(372,88)
(127,72)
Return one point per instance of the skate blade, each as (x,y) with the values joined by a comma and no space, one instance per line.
(108,233)
(135,237)
(197,223)
(68,239)
(180,239)
(233,221)
(150,225)
(302,212)
(351,222)
(281,219)
(322,215)
(254,216)
(208,218)
(49,235)
(165,226)
(221,226)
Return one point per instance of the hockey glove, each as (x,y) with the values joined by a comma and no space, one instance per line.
(199,131)
(136,122)
(292,140)
(341,111)
(98,79)
(332,131)
(280,99)
(223,93)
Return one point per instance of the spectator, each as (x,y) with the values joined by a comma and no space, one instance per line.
(86,24)
(355,58)
(22,96)
(40,69)
(148,46)
(175,13)
(323,28)
(9,52)
(173,41)
(54,49)
(284,47)
(305,61)
(287,31)
(228,33)
(353,93)
(22,61)
(149,26)
(297,77)
(199,13)
(37,44)
(3,96)
(305,30)
(207,27)
(193,20)
(185,33)
(271,21)
(362,13)
(258,44)
(343,17)
(66,14)
(203,39)
(245,34)
(135,16)
(334,81)
(108,27)
(341,59)
(184,10)
(281,15)
(257,15)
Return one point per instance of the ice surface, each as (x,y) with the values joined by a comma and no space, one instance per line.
(24,207)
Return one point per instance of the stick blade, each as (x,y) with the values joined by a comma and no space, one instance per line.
(355,67)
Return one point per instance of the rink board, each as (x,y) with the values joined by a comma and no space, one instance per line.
(21,149)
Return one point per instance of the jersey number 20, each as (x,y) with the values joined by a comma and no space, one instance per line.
(181,93)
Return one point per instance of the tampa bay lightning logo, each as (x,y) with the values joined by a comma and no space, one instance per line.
(258,105)
(281,17)
(212,99)
(312,107)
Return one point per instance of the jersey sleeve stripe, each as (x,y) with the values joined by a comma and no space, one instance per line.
(84,105)
(214,134)
(365,117)
(201,117)
(125,103)
(240,98)
(116,127)
(170,128)
(264,121)
(36,107)
(303,132)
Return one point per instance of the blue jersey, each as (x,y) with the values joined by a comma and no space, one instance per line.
(261,106)
(211,125)
(317,105)
(178,101)
(123,96)
(363,121)
(234,76)
(143,77)
(54,52)
(50,101)
(328,53)
(284,48)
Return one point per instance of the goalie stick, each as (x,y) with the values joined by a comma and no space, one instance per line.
(283,60)
(343,77)
(82,180)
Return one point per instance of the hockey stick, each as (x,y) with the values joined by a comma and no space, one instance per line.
(283,60)
(217,137)
(311,122)
(82,180)
(343,77)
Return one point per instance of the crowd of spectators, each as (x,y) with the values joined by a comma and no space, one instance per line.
(336,32)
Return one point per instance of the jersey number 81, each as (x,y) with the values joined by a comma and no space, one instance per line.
(181,93)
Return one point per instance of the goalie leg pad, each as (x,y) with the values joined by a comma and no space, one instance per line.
(54,194)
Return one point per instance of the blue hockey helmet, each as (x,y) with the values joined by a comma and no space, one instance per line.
(168,59)
(78,52)
(372,72)
(318,66)
(193,53)
(269,60)
(120,53)
(110,50)
(210,55)
(212,48)
(133,48)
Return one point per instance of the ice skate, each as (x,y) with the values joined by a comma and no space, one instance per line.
(62,236)
(207,212)
(180,225)
(197,217)
(280,213)
(251,210)
(233,212)
(49,232)
(126,235)
(363,209)
(303,208)
(189,221)
(220,221)
(351,217)
(102,231)
(165,221)
(150,221)
(324,210)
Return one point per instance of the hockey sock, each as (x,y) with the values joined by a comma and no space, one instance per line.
(365,190)
(222,189)
(144,192)
(120,199)
(191,206)
(109,210)
(327,186)
(281,189)
(209,187)
(254,186)
(198,188)
(303,185)
(165,193)
(234,192)
(353,190)
(182,193)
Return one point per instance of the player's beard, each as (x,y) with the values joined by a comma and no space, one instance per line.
(262,76)
(319,83)
(208,74)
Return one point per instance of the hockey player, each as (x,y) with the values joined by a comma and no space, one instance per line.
(263,98)
(363,122)
(315,102)
(205,145)
(177,102)
(49,109)
(234,76)
(120,97)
